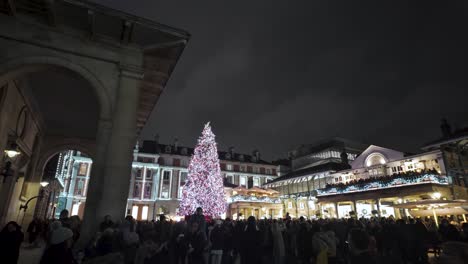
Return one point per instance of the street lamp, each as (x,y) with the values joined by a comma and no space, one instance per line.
(436,195)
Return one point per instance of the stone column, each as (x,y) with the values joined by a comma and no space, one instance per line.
(377,203)
(120,150)
(93,194)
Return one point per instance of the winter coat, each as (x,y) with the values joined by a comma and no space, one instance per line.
(58,254)
(217,238)
(250,246)
(10,243)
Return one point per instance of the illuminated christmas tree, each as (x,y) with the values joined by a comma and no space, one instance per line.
(204,186)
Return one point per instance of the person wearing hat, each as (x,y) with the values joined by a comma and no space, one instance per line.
(59,252)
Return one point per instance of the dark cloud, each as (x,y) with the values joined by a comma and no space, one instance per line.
(274,74)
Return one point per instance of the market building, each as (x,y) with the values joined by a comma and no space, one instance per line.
(158,175)
(310,168)
(381,181)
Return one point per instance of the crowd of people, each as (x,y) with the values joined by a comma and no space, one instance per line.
(386,179)
(200,241)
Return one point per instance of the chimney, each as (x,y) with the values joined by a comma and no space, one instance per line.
(445,128)
(137,147)
(176,144)
(231,151)
(256,153)
(344,157)
(156,144)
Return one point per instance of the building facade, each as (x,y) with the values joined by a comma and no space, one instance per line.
(376,181)
(158,176)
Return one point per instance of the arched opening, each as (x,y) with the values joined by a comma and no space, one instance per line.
(64,184)
(43,107)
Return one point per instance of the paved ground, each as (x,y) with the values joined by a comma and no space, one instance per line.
(31,255)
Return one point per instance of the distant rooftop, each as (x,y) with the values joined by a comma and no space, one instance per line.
(336,142)
(330,166)
(151,147)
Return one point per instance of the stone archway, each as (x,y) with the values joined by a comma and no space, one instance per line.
(14,68)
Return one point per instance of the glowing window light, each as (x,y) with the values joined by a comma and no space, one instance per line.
(75,208)
(144,213)
(135,212)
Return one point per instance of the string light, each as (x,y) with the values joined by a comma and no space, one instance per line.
(204,186)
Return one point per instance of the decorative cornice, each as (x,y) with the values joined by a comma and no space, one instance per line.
(132,71)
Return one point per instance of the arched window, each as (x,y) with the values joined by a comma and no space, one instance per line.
(375,159)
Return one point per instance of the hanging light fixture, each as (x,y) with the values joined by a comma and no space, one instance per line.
(12,151)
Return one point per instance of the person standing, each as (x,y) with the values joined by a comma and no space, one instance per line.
(196,243)
(217,243)
(34,229)
(11,238)
(251,243)
(200,219)
(59,252)
(279,252)
(107,223)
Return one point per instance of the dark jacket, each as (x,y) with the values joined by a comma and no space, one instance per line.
(57,254)
(198,242)
(251,243)
(10,243)
(217,238)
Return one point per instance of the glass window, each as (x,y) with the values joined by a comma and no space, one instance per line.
(166,182)
(136,191)
(229,179)
(75,209)
(229,167)
(268,171)
(83,169)
(138,174)
(242,181)
(80,187)
(135,212)
(301,205)
(149,175)
(289,205)
(183,178)
(147,190)
(256,182)
(144,213)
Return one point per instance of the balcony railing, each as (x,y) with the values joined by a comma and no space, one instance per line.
(378,184)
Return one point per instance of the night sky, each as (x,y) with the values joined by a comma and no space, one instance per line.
(275,75)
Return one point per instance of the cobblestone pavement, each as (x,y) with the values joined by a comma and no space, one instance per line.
(31,254)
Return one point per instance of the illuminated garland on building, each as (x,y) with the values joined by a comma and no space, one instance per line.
(397,182)
(204,186)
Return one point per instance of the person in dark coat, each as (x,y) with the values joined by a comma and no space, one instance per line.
(217,242)
(196,243)
(200,219)
(59,252)
(359,253)
(107,223)
(64,219)
(251,243)
(11,238)
(34,229)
